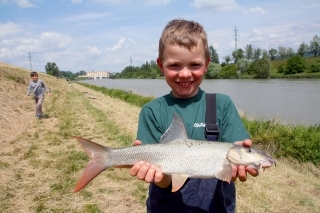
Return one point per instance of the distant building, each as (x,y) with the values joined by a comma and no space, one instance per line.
(98,74)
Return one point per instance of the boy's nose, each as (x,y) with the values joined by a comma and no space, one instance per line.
(185,73)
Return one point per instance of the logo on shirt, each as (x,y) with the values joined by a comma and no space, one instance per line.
(199,125)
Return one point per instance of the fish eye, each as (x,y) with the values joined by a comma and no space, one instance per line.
(249,150)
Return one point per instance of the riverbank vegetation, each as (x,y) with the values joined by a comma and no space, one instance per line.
(40,163)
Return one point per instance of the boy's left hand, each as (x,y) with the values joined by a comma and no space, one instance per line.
(241,171)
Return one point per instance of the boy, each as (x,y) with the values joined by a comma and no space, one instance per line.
(38,88)
(184,59)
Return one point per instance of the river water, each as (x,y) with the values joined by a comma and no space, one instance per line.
(287,101)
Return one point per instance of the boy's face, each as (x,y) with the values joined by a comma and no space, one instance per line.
(34,78)
(183,69)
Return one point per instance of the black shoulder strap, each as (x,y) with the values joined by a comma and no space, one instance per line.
(212,128)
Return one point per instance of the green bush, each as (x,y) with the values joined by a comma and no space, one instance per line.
(262,68)
(229,72)
(296,64)
(315,67)
(213,71)
(282,68)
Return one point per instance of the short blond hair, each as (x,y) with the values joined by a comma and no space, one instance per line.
(184,33)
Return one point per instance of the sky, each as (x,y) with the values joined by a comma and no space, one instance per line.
(109,35)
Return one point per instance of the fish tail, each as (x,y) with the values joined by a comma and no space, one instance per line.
(98,163)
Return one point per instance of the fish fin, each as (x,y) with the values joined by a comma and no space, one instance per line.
(177,181)
(225,174)
(176,130)
(98,163)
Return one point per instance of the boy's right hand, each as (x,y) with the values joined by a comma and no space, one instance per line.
(149,173)
(26,97)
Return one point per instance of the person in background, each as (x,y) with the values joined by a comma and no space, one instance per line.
(38,88)
(184,59)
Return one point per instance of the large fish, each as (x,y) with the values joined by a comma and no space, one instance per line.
(176,155)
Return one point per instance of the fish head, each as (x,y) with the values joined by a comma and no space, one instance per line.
(247,156)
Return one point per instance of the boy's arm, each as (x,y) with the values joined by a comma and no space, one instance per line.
(28,91)
(45,87)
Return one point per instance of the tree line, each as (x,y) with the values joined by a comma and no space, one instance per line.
(247,62)
(52,69)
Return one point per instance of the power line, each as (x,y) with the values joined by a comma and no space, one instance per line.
(30,62)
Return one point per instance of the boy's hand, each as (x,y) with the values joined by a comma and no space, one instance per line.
(145,171)
(149,173)
(241,171)
(26,97)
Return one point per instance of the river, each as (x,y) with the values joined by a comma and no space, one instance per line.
(287,101)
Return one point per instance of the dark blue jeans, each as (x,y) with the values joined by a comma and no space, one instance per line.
(196,196)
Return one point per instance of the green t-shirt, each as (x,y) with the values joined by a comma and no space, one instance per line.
(156,116)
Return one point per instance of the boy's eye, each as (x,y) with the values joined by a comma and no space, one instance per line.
(173,65)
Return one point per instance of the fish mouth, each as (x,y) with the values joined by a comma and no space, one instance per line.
(267,163)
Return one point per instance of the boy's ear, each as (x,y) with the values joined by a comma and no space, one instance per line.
(208,62)
(160,65)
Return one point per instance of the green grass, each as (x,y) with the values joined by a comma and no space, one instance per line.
(286,141)
(131,98)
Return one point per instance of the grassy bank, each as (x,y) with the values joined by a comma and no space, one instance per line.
(40,163)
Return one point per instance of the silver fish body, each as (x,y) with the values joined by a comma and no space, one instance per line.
(176,155)
(197,159)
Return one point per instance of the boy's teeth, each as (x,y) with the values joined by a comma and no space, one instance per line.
(185,83)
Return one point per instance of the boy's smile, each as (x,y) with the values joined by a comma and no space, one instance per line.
(184,69)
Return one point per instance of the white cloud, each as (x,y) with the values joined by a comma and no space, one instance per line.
(256,32)
(255,10)
(273,35)
(5,52)
(94,50)
(157,2)
(84,17)
(76,1)
(9,29)
(119,45)
(24,3)
(220,5)
(53,41)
